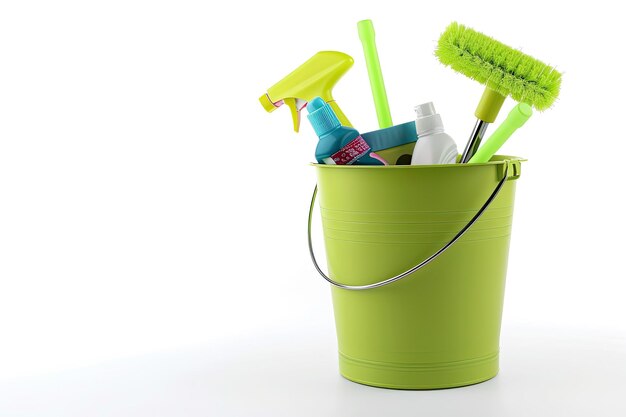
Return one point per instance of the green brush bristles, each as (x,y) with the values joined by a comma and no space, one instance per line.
(499,67)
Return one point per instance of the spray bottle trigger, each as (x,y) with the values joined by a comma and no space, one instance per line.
(295,106)
(295,114)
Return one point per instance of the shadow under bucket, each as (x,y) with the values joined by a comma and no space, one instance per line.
(437,326)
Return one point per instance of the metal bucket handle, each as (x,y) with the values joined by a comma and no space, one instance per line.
(509,173)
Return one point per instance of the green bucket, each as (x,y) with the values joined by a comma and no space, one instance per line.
(417,256)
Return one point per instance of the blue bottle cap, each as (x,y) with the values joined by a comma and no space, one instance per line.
(322,117)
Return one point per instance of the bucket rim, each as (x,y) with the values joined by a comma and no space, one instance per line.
(495,160)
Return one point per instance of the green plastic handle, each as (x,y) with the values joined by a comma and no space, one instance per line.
(366,34)
(516,119)
(489,105)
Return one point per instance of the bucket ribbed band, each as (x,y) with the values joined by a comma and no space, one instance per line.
(419,375)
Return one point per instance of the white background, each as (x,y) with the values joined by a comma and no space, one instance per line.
(153,254)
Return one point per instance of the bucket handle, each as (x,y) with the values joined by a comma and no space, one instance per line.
(507,169)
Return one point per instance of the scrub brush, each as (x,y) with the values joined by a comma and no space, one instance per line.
(503,70)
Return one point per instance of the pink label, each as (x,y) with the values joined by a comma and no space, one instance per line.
(351,152)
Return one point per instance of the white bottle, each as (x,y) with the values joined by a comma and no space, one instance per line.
(433,146)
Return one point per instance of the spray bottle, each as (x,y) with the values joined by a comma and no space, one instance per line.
(340,145)
(433,146)
(316,77)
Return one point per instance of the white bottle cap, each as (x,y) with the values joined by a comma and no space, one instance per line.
(428,121)
(426,109)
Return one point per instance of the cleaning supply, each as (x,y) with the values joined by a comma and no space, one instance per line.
(433,146)
(503,70)
(516,119)
(367,35)
(395,144)
(316,77)
(340,145)
(381,159)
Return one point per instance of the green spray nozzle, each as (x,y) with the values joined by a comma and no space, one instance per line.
(315,78)
(516,119)
(367,36)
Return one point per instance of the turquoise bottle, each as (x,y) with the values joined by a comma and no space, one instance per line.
(337,144)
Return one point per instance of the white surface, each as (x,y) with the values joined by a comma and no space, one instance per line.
(294,373)
(149,204)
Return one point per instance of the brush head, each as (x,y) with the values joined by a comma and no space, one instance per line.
(498,66)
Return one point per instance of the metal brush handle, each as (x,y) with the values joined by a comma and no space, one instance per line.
(474,141)
(494,194)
